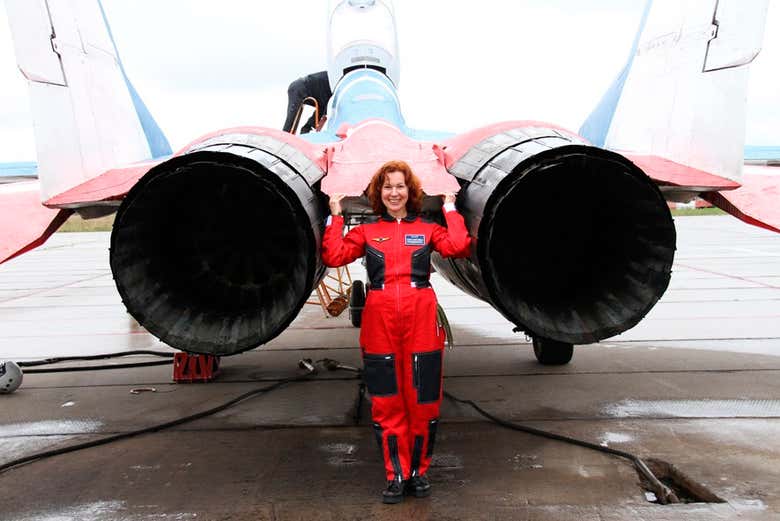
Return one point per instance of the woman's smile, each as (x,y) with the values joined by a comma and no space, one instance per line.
(395,194)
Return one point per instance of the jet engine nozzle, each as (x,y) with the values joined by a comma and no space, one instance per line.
(573,243)
(216,251)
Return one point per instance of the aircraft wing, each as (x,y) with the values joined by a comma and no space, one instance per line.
(674,177)
(756,201)
(26,223)
(107,188)
(677,109)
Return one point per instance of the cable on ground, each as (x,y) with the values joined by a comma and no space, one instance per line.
(310,370)
(664,494)
(106,356)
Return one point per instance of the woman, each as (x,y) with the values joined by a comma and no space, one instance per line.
(400,338)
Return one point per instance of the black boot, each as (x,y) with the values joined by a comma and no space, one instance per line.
(394,493)
(418,486)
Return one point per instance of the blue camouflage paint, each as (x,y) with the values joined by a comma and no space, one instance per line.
(761,153)
(19,169)
(596,127)
(367,94)
(158,143)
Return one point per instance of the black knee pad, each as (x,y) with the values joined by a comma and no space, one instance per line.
(379,374)
(426,368)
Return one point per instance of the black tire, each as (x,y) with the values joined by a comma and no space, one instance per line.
(552,352)
(357,299)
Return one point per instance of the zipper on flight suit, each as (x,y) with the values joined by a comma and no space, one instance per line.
(397,269)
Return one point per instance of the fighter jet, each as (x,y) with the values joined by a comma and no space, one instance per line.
(215,248)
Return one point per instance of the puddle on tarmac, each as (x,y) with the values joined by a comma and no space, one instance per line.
(694,408)
(446,461)
(343,454)
(21,446)
(614,437)
(93,511)
(50,428)
(339,448)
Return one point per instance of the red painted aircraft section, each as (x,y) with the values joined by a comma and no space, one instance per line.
(757,201)
(112,185)
(665,172)
(315,152)
(27,223)
(457,146)
(353,161)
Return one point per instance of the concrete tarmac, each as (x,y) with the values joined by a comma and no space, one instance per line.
(696,385)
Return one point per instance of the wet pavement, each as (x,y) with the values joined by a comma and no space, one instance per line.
(696,384)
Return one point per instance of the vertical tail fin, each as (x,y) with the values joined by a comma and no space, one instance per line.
(682,93)
(87,116)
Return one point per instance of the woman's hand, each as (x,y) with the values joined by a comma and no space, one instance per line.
(448,197)
(335,203)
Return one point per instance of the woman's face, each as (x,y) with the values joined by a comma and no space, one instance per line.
(395,193)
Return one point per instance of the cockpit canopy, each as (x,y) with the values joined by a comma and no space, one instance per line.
(362,34)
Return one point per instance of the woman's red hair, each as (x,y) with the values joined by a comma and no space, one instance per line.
(413,204)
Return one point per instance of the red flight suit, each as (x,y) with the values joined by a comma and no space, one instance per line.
(400,337)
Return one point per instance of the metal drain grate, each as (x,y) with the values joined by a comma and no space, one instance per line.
(686,489)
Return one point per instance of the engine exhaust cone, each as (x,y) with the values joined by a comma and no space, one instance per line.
(576,244)
(213,253)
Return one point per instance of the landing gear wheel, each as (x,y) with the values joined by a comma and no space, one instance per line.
(552,352)
(357,299)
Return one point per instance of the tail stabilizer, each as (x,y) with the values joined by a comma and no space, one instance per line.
(26,223)
(681,96)
(87,116)
(755,202)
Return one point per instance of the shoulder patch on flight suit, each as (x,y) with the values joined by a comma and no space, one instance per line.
(414,239)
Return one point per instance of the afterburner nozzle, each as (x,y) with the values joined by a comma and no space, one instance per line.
(216,251)
(573,243)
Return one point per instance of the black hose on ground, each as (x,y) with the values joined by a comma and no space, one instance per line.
(156,428)
(103,356)
(97,367)
(664,494)
(102,367)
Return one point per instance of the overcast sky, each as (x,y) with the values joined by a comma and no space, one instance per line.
(201,65)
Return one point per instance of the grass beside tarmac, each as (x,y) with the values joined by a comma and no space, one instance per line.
(103,224)
(76,224)
(697,211)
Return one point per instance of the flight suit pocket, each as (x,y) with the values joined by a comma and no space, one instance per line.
(379,374)
(427,375)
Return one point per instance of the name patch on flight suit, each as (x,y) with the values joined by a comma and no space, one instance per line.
(414,239)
